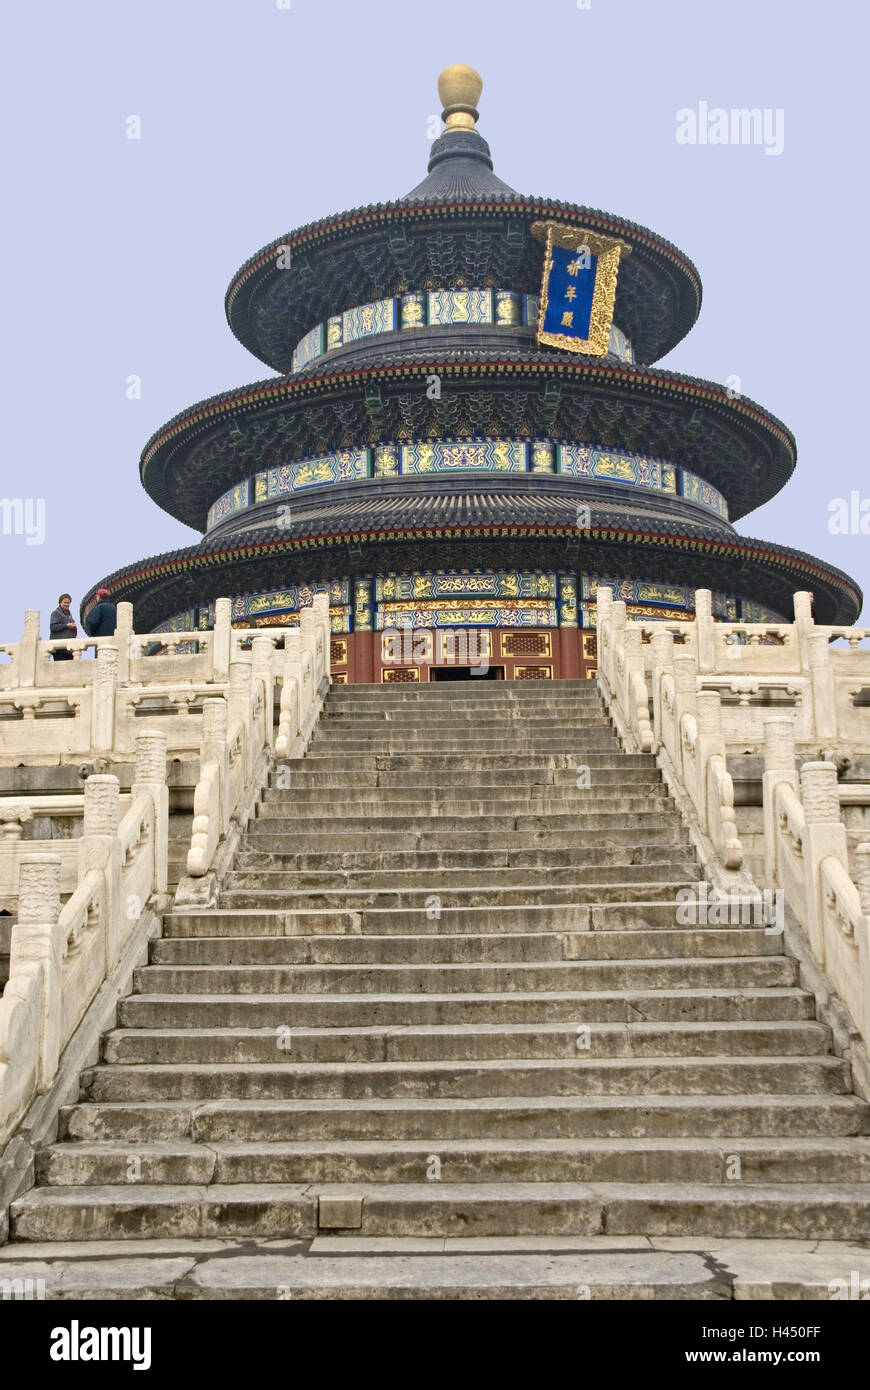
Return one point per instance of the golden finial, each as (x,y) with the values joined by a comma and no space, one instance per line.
(459,89)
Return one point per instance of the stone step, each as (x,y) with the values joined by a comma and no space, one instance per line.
(599,741)
(463,1161)
(808,1211)
(358,820)
(606,882)
(595,859)
(501,922)
(431,692)
(454,1079)
(670,839)
(438,1119)
(272,891)
(711,972)
(273,1011)
(469,724)
(577,803)
(142,1269)
(479,945)
(470,763)
(298,776)
(487,1269)
(456,1041)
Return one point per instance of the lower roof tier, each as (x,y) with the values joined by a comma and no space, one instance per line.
(487,531)
(742,451)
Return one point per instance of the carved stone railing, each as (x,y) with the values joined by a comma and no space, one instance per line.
(753,667)
(237,740)
(60,956)
(806,856)
(65,711)
(685,727)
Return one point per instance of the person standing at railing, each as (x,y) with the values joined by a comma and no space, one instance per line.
(103,617)
(60,624)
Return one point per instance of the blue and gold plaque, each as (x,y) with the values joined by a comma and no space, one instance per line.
(578,288)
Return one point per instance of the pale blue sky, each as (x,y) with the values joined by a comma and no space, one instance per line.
(256,119)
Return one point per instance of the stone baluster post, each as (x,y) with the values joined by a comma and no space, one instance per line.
(291,693)
(862,877)
(28,650)
(662,661)
(239,694)
(103,695)
(604,624)
(710,744)
(99,849)
(822,685)
(779,766)
(803,623)
(261,669)
(37,948)
(321,612)
(214,749)
(307,625)
(618,623)
(150,776)
(825,834)
(221,639)
(635,679)
(124,641)
(704,631)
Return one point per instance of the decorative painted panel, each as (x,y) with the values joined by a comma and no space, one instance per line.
(456,456)
(386,461)
(402,587)
(697,490)
(567,600)
(236,499)
(460,306)
(362,604)
(467,613)
(587,461)
(618,345)
(345,465)
(379,317)
(752,612)
(413,313)
(542,456)
(309,347)
(291,599)
(638,590)
(508,307)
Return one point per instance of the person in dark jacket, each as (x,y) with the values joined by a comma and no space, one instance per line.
(103,617)
(60,624)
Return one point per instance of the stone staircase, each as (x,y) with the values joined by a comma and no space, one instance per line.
(444,1037)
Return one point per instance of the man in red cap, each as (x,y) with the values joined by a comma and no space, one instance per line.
(103,617)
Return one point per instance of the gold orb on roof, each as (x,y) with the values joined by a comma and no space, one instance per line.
(459,89)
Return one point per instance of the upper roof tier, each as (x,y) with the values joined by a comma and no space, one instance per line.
(461,226)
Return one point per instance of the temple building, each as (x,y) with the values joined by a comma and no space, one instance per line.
(468,435)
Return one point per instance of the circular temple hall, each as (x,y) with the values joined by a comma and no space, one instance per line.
(444,465)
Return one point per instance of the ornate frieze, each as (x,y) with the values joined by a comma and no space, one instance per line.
(425,308)
(394,459)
